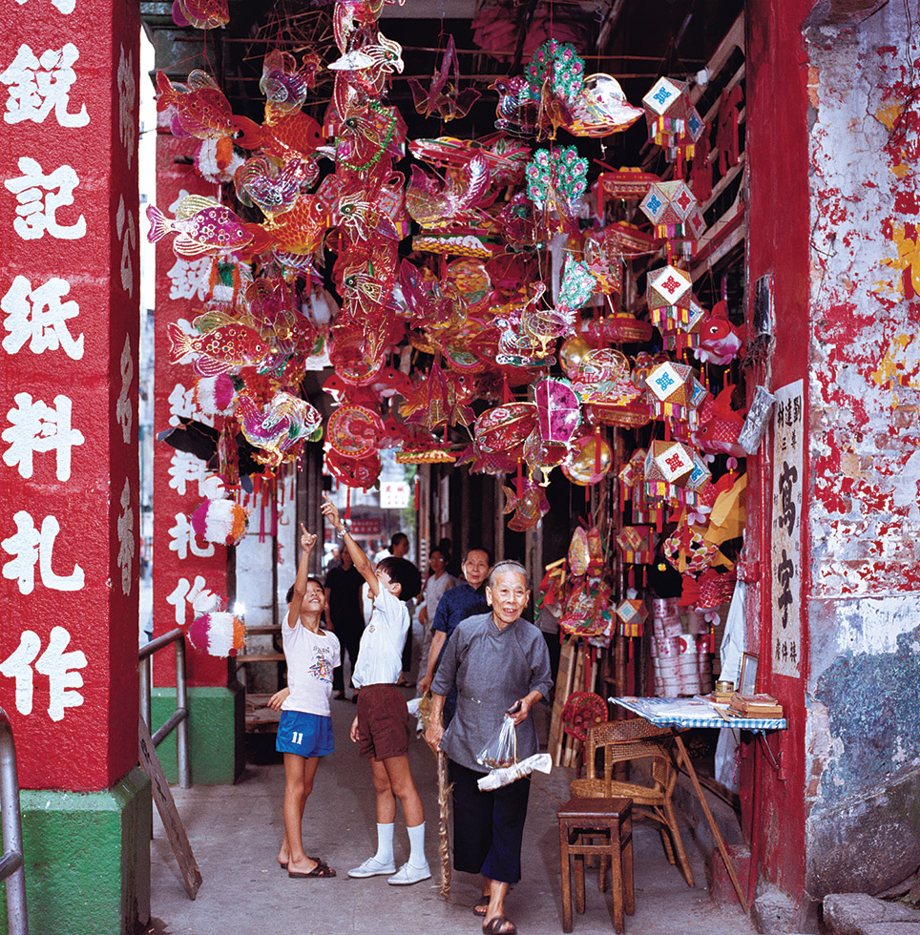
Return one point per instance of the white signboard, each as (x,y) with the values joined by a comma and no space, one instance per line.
(786,551)
(394,495)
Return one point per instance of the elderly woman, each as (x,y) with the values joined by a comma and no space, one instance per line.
(499,663)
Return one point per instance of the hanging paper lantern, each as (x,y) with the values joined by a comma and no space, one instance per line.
(673,122)
(354,431)
(589,461)
(637,544)
(505,427)
(217,634)
(669,295)
(572,351)
(673,209)
(354,472)
(222,522)
(675,392)
(558,410)
(631,613)
(527,502)
(602,377)
(688,551)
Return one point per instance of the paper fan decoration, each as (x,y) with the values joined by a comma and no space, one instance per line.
(217,634)
(222,522)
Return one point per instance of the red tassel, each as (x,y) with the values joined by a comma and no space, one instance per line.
(597,450)
(415,492)
(348,503)
(506,392)
(630,649)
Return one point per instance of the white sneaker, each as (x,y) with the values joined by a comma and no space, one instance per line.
(407,875)
(372,868)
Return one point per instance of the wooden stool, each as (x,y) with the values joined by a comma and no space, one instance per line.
(580,819)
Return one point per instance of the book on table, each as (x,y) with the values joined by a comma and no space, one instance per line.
(760,706)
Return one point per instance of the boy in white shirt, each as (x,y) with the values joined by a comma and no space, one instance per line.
(380,725)
(305,728)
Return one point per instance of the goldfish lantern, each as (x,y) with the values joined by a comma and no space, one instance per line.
(217,634)
(572,351)
(222,522)
(205,228)
(673,122)
(354,431)
(527,502)
(589,460)
(719,340)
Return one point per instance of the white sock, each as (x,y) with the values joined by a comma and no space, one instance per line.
(417,846)
(384,853)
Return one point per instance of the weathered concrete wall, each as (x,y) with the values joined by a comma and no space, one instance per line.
(862,738)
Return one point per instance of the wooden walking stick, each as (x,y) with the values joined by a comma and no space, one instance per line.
(443,823)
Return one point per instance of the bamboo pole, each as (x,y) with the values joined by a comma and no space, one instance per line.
(444,789)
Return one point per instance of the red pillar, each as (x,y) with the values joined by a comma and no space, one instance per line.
(190,575)
(68,390)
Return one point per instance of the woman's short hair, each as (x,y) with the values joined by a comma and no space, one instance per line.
(507,565)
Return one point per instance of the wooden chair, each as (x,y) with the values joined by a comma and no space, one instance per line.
(635,739)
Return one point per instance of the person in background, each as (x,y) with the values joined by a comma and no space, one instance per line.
(343,614)
(380,726)
(446,547)
(399,545)
(399,548)
(438,583)
(305,727)
(500,666)
(463,601)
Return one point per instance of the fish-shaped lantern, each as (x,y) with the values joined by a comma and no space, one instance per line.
(529,506)
(218,351)
(205,227)
(202,110)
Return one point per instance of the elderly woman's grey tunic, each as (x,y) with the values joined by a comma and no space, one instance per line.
(492,669)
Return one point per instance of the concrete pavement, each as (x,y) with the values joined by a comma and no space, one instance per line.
(235,832)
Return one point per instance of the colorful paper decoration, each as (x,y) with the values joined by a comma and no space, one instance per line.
(669,295)
(631,613)
(444,98)
(527,502)
(503,428)
(637,544)
(672,208)
(558,410)
(589,461)
(217,634)
(222,522)
(556,179)
(354,431)
(673,122)
(602,377)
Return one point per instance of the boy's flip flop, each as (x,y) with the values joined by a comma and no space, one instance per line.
(495,926)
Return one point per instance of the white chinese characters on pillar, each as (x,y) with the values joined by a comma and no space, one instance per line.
(197,596)
(123,411)
(190,279)
(37,210)
(127,232)
(58,666)
(36,427)
(39,317)
(39,84)
(127,92)
(182,539)
(30,546)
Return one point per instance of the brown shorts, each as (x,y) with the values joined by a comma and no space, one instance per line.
(382,716)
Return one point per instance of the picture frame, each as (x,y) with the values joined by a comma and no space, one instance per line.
(748,678)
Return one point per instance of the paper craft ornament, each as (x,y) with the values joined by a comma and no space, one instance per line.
(200,108)
(719,341)
(222,522)
(688,551)
(582,711)
(589,462)
(673,122)
(631,613)
(443,98)
(637,544)
(672,208)
(354,472)
(505,427)
(200,14)
(217,634)
(527,502)
(354,431)
(204,226)
(558,410)
(556,180)
(602,377)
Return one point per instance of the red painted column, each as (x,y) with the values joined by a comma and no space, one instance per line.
(68,389)
(189,574)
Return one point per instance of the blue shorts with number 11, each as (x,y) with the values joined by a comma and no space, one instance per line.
(304,734)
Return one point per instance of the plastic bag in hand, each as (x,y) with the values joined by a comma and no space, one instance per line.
(502,750)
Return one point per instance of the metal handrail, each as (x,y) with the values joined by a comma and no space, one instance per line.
(179,718)
(12,870)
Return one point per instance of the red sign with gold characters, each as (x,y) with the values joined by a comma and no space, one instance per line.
(69,292)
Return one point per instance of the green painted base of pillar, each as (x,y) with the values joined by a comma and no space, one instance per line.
(216,733)
(87,859)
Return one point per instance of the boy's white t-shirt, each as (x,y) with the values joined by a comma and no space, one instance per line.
(380,651)
(310,657)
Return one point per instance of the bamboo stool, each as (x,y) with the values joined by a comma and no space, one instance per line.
(583,819)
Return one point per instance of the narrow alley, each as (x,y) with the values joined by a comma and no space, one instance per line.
(235,831)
